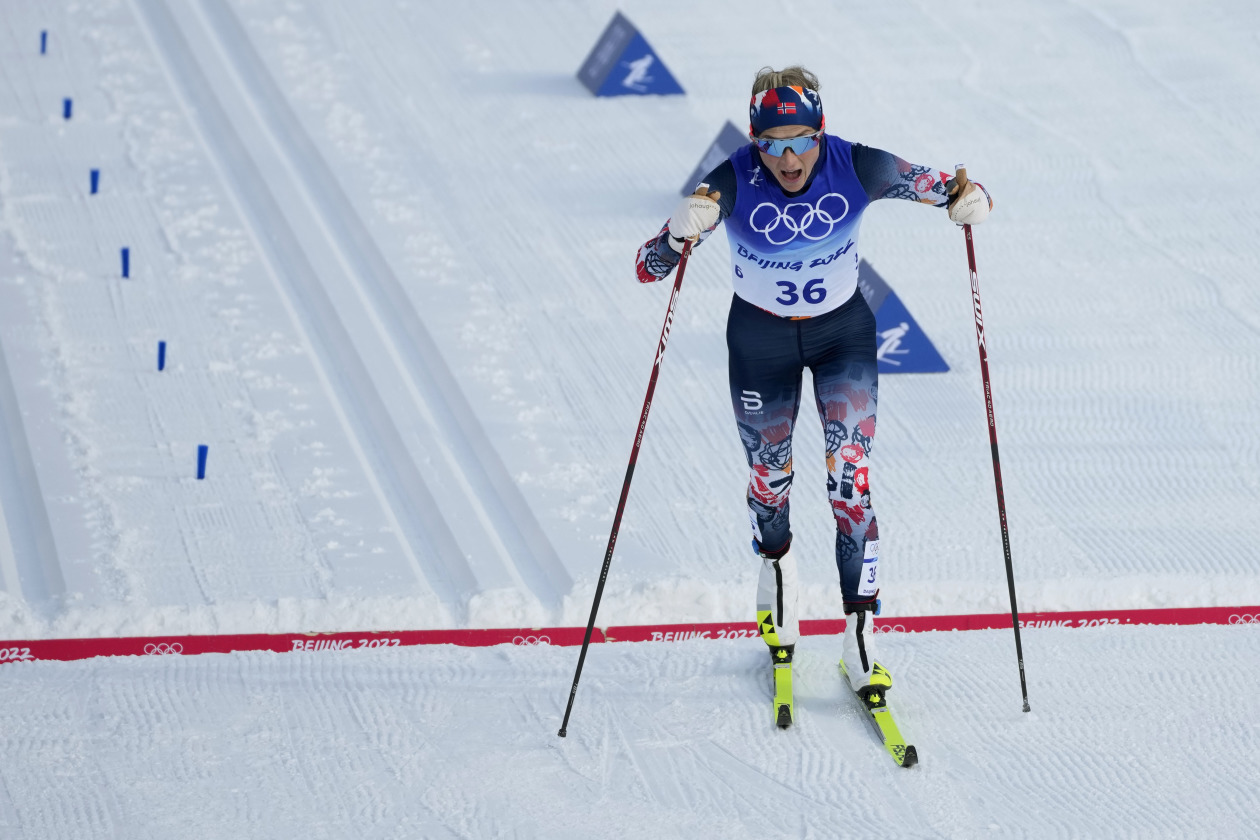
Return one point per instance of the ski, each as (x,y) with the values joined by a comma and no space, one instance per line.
(783,707)
(875,702)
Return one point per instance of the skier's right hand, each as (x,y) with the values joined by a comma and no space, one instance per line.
(694,215)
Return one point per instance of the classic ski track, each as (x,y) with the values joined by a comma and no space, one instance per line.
(469,457)
(29,564)
(432,549)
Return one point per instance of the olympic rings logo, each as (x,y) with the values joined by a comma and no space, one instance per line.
(531,641)
(892,628)
(813,217)
(1244,619)
(163,649)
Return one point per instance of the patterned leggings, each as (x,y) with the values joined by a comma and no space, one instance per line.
(767,355)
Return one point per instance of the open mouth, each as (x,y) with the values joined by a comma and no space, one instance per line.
(790,176)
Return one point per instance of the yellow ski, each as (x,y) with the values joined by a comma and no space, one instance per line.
(781,657)
(874,700)
(783,707)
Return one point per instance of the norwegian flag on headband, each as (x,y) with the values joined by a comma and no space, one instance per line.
(785,106)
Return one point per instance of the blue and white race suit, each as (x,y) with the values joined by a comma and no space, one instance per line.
(794,265)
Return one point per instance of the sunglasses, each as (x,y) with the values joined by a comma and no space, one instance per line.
(776,147)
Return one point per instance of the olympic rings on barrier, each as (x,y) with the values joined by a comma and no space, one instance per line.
(797,226)
(892,628)
(163,649)
(1244,619)
(531,641)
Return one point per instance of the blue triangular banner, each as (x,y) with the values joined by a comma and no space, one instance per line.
(901,344)
(622,63)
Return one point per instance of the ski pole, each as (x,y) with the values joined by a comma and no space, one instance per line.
(993,444)
(625,486)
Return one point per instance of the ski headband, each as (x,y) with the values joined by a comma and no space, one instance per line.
(785,106)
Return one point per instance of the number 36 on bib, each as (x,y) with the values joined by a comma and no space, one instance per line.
(812,292)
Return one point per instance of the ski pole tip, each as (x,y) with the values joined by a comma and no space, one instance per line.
(1027,708)
(564,732)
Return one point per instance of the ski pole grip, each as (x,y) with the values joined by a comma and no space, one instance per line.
(960,179)
(703,190)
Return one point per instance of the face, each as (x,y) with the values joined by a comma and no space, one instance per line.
(790,170)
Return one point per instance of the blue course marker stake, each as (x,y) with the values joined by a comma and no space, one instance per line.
(96,180)
(161,355)
(43,41)
(126,262)
(66,106)
(202,452)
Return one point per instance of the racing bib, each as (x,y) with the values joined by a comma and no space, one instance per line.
(797,255)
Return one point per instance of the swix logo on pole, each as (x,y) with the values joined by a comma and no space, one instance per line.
(669,322)
(975,299)
(975,293)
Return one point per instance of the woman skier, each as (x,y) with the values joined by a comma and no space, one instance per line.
(793,200)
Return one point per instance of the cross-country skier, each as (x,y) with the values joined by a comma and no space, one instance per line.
(793,201)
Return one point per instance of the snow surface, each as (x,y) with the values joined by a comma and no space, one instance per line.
(416,350)
(672,741)
(389,246)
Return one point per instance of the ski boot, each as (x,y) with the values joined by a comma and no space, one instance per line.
(871,681)
(868,679)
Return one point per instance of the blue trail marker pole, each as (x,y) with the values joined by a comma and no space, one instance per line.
(43,41)
(66,107)
(96,180)
(161,355)
(126,262)
(202,452)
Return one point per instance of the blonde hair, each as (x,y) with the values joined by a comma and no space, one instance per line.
(794,76)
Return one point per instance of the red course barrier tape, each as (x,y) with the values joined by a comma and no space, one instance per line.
(71,649)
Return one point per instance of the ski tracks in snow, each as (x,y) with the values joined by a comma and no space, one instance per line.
(28,554)
(469,530)
(666,740)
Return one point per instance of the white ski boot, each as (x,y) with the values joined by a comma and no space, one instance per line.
(866,676)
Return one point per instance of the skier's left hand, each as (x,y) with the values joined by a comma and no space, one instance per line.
(969,203)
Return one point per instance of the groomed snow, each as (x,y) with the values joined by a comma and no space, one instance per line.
(1135,732)
(416,350)
(389,246)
